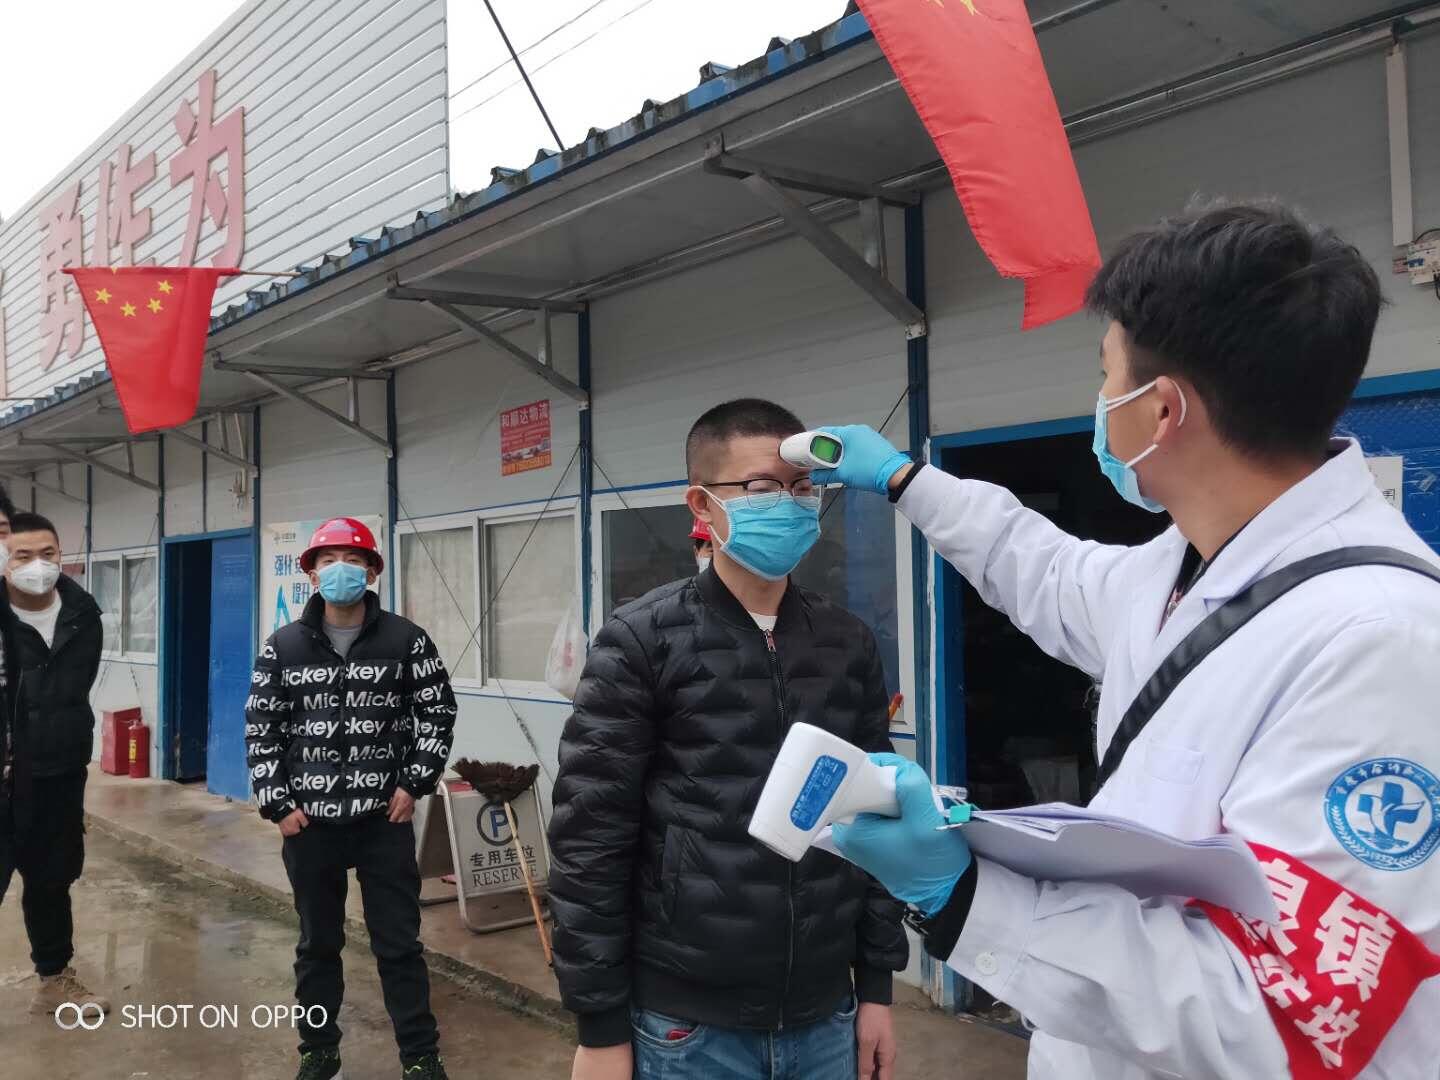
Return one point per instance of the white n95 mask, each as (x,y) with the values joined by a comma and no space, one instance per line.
(37,577)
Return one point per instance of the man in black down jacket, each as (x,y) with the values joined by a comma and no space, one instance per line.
(686,948)
(348,724)
(53,644)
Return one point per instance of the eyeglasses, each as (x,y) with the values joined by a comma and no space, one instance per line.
(763,492)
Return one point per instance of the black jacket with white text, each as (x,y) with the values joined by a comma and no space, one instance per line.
(335,737)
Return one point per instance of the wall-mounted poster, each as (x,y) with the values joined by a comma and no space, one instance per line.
(525,438)
(284,587)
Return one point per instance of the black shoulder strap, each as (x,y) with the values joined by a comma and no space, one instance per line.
(1230,617)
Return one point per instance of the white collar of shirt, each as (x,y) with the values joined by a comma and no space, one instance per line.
(1321,497)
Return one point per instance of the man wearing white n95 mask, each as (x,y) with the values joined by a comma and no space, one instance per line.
(1237,335)
(53,641)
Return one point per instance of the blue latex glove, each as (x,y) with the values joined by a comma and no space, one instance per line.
(869,462)
(917,863)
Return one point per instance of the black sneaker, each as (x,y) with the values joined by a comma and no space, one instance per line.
(319,1065)
(429,1067)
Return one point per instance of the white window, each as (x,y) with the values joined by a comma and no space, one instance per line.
(645,547)
(126,589)
(517,575)
(437,589)
(530,580)
(105,582)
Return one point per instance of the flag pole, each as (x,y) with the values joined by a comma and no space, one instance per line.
(267,273)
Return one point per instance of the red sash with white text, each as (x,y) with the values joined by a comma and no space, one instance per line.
(1336,971)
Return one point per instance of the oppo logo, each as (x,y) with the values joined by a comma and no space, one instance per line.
(70,1016)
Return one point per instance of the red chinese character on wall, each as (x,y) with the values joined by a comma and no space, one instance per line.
(62,311)
(222,198)
(118,225)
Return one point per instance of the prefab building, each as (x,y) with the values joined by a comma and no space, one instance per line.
(501,382)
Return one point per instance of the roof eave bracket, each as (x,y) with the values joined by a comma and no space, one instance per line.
(720,163)
(301,398)
(537,364)
(84,458)
(218,452)
(867,271)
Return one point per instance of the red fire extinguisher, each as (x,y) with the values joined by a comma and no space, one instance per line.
(139,750)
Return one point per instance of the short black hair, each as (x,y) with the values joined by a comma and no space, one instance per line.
(7,507)
(24,521)
(1269,317)
(736,419)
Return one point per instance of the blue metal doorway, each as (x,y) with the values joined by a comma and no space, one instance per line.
(232,601)
(208,650)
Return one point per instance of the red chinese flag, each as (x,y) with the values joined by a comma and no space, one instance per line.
(973,71)
(152,322)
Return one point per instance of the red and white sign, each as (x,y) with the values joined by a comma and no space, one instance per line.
(1336,970)
(525,438)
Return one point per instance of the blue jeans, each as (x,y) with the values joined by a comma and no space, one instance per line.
(821,1051)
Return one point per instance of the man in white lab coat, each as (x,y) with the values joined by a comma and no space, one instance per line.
(1237,335)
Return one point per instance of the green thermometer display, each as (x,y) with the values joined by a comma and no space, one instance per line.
(813,450)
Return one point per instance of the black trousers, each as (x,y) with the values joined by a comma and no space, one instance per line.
(42,838)
(383,855)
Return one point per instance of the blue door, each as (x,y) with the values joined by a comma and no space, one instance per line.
(232,652)
(187,658)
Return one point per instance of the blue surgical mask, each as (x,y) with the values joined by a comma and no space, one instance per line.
(343,583)
(1122,473)
(771,542)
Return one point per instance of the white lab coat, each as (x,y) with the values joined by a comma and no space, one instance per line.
(1344,669)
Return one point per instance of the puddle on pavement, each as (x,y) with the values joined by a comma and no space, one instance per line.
(148,936)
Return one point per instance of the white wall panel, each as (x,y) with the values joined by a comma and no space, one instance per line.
(779,322)
(448,412)
(231,502)
(193,479)
(230,491)
(1317,141)
(68,516)
(125,515)
(184,510)
(314,468)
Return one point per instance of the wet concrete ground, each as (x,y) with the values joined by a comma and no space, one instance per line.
(148,935)
(185,900)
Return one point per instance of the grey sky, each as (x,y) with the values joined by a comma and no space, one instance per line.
(65,80)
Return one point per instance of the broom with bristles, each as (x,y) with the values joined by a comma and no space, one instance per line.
(504,783)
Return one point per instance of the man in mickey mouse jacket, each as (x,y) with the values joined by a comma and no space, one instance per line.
(348,724)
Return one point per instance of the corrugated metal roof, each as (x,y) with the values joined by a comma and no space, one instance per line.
(61,393)
(717,83)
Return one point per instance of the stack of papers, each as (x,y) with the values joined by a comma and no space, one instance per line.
(1060,842)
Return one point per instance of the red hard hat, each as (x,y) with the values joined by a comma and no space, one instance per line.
(699,531)
(342,533)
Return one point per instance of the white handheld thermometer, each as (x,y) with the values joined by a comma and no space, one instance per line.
(813,450)
(818,779)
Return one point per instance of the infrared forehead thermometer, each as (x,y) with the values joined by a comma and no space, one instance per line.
(813,450)
(818,779)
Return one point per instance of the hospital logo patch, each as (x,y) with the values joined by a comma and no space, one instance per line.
(1385,812)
